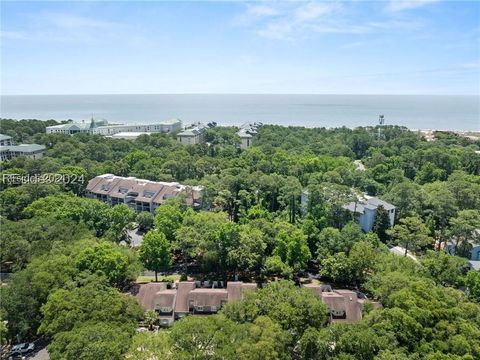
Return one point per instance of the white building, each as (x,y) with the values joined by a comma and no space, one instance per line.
(366,211)
(71,128)
(30,151)
(167,126)
(129,135)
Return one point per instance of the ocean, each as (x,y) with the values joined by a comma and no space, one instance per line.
(414,111)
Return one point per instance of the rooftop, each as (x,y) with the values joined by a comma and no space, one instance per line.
(4,137)
(26,148)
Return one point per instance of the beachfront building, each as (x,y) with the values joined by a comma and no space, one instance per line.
(246,133)
(139,194)
(190,297)
(30,151)
(365,210)
(5,140)
(166,126)
(343,305)
(71,128)
(192,136)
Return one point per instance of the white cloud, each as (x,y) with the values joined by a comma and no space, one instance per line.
(401,5)
(262,10)
(312,11)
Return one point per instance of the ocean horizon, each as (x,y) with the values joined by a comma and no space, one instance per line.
(439,112)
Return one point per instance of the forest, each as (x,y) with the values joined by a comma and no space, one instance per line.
(71,268)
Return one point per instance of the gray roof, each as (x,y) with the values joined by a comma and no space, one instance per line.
(25,148)
(371,204)
(475,264)
(4,137)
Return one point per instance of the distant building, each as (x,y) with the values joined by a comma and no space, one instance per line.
(366,210)
(166,126)
(192,136)
(344,305)
(139,194)
(246,134)
(129,135)
(71,128)
(189,297)
(5,140)
(30,151)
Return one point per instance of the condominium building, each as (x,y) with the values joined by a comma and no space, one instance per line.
(139,194)
(192,136)
(71,128)
(365,210)
(190,297)
(5,140)
(30,151)
(166,126)
(246,133)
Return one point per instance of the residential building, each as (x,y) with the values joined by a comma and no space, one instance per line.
(246,133)
(189,297)
(192,136)
(470,250)
(5,140)
(344,305)
(139,194)
(166,126)
(30,151)
(366,211)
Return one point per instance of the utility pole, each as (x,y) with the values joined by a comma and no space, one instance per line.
(381,122)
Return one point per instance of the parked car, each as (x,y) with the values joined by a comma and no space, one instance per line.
(22,349)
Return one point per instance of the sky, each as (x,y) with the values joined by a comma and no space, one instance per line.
(291,47)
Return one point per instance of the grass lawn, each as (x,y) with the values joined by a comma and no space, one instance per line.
(150,278)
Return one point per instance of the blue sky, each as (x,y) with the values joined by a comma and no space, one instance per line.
(358,47)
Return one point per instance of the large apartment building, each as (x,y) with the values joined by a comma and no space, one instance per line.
(10,151)
(101,127)
(139,194)
(246,133)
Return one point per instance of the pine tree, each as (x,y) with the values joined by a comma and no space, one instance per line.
(382,224)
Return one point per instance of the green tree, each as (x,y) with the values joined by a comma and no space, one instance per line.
(145,221)
(155,252)
(106,258)
(473,283)
(169,218)
(411,233)
(382,223)
(120,218)
(445,269)
(92,341)
(463,228)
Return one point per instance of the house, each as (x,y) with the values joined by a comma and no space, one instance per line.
(246,133)
(139,194)
(30,151)
(192,136)
(344,305)
(189,297)
(5,140)
(366,211)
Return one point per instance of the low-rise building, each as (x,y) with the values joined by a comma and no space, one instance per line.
(189,297)
(365,210)
(192,136)
(71,128)
(139,194)
(5,140)
(471,249)
(246,133)
(343,305)
(30,151)
(166,126)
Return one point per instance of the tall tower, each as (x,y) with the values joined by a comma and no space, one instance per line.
(381,122)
